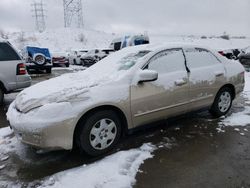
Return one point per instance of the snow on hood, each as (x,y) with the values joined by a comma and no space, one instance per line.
(73,85)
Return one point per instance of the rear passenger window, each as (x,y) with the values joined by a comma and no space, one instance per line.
(167,61)
(197,57)
(7,53)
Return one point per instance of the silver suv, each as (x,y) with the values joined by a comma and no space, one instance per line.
(13,74)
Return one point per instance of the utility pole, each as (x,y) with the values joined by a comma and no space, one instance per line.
(73,13)
(38,9)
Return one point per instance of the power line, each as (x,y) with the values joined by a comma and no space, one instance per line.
(38,9)
(73,13)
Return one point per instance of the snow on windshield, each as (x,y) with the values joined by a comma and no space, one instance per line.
(131,59)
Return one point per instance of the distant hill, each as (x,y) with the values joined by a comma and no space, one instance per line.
(61,39)
(65,39)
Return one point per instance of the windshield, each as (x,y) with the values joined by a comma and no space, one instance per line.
(130,60)
(115,64)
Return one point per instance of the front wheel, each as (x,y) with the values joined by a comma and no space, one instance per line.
(99,133)
(222,102)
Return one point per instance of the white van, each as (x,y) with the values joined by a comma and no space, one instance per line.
(134,40)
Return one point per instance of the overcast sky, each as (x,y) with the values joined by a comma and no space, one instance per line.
(155,16)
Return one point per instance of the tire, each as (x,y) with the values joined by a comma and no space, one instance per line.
(39,59)
(67,64)
(95,139)
(1,96)
(222,102)
(48,71)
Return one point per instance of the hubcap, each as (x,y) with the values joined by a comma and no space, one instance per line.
(103,134)
(224,101)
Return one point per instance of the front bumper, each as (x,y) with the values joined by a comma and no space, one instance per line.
(50,134)
(39,67)
(52,137)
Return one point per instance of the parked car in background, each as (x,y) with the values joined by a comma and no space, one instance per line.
(244,57)
(60,59)
(94,56)
(75,55)
(13,74)
(134,40)
(231,53)
(38,59)
(128,89)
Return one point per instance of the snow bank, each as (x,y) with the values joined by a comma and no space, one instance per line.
(214,43)
(62,39)
(7,141)
(238,119)
(118,170)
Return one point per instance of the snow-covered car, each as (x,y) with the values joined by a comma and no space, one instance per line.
(244,57)
(38,59)
(75,55)
(13,74)
(95,55)
(230,53)
(130,88)
(128,40)
(60,59)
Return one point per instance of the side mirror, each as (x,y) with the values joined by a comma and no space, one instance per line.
(147,76)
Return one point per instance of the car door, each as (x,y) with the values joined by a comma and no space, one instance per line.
(206,77)
(165,97)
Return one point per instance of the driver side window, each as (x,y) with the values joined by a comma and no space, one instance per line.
(167,61)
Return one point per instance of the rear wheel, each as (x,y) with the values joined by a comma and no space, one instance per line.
(99,133)
(222,102)
(1,96)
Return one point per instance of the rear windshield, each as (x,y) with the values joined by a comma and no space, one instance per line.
(7,53)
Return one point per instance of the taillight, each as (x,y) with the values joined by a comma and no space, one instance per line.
(21,69)
(221,53)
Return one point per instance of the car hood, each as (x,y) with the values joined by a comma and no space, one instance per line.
(65,88)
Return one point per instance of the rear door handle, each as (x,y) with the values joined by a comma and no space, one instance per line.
(180,82)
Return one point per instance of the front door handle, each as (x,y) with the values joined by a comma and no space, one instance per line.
(180,82)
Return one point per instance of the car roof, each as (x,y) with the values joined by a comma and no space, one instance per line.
(158,47)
